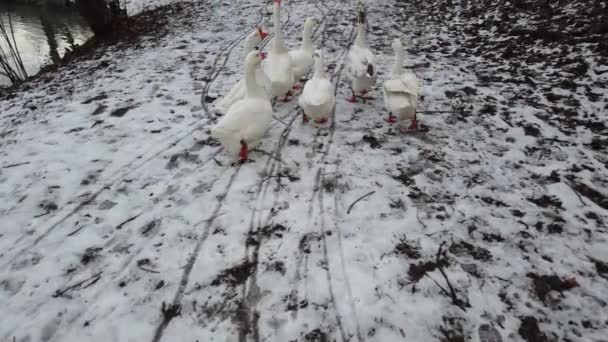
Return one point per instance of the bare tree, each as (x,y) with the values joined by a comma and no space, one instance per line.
(101,14)
(49,32)
(11,63)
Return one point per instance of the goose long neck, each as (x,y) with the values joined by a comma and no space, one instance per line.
(307,38)
(278,44)
(398,66)
(361,35)
(252,88)
(319,69)
(249,46)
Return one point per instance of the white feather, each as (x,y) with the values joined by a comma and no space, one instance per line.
(238,90)
(361,63)
(302,58)
(317,99)
(279,66)
(401,90)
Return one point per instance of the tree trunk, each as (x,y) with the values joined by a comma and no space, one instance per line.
(98,15)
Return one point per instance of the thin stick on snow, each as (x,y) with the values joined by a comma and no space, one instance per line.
(281,121)
(76,231)
(95,278)
(127,221)
(439,232)
(576,192)
(147,270)
(15,165)
(358,199)
(452,293)
(419,220)
(209,219)
(270,155)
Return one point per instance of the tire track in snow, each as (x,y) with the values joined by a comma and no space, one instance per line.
(188,268)
(176,302)
(270,170)
(320,181)
(317,191)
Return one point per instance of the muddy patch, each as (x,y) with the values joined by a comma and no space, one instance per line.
(464,248)
(544,284)
(236,275)
(372,141)
(266,233)
(175,159)
(90,254)
(547,201)
(150,228)
(407,248)
(529,330)
(120,112)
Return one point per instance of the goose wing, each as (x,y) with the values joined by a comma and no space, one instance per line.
(317,92)
(407,83)
(361,62)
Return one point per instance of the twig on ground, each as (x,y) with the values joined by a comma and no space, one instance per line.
(502,279)
(439,232)
(435,111)
(147,269)
(419,220)
(95,278)
(452,292)
(576,192)
(76,231)
(359,199)
(279,120)
(270,155)
(127,221)
(43,214)
(15,165)
(209,219)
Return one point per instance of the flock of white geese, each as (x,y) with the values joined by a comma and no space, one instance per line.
(247,106)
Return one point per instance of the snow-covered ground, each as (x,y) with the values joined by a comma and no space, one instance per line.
(137,6)
(122,220)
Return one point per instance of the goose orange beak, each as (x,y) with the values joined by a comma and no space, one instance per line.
(263,34)
(262,55)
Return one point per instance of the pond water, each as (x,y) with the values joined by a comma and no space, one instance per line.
(42,33)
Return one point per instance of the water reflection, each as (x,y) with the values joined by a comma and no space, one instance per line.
(44,33)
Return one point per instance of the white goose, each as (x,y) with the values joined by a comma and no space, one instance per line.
(302,59)
(247,120)
(238,90)
(361,60)
(317,99)
(401,92)
(279,67)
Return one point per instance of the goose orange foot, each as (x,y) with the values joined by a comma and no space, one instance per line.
(321,121)
(244,152)
(391,119)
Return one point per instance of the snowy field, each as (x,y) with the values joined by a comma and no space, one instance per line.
(122,220)
(137,6)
